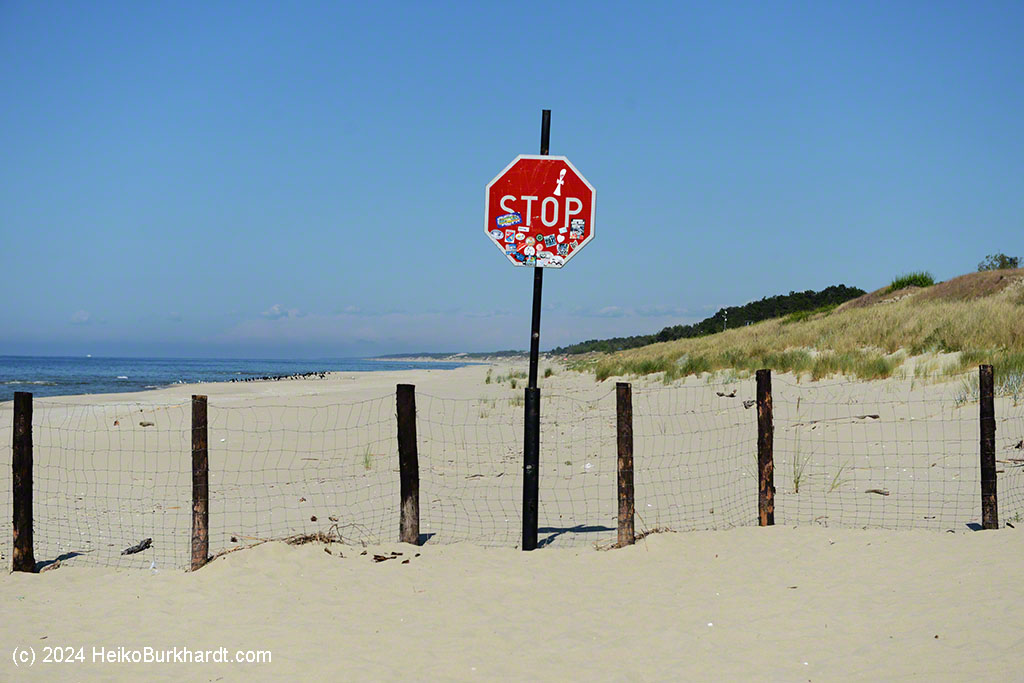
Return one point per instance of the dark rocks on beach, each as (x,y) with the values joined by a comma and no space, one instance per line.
(276,378)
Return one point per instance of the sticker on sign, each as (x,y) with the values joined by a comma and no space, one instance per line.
(541,196)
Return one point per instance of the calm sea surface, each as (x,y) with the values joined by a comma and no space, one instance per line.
(59,376)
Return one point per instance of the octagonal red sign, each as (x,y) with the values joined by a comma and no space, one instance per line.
(539,211)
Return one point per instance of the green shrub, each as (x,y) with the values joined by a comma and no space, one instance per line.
(921,278)
(999,261)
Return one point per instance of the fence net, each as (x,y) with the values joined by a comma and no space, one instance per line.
(471,471)
(106,477)
(896,454)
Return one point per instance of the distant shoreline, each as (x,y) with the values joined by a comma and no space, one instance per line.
(48,376)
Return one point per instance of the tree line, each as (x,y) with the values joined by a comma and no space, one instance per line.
(731,316)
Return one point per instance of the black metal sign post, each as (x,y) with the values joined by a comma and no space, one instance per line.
(531,424)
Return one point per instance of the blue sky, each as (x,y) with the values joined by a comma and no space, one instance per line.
(307,179)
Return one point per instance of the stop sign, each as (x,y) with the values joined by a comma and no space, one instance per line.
(539,211)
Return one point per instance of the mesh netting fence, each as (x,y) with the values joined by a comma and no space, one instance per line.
(892,454)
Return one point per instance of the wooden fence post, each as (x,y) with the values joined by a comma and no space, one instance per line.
(624,423)
(24,559)
(408,465)
(765,446)
(200,485)
(989,501)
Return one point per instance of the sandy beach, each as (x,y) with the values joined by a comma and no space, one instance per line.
(854,583)
(779,604)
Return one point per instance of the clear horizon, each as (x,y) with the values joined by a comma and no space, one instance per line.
(270,181)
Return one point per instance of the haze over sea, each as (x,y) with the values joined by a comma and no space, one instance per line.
(61,376)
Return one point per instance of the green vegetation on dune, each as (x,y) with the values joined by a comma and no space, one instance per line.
(863,364)
(800,316)
(921,278)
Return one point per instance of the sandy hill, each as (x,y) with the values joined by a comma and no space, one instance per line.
(945,328)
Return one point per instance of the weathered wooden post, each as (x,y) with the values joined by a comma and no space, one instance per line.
(408,465)
(24,559)
(624,424)
(200,485)
(765,445)
(989,500)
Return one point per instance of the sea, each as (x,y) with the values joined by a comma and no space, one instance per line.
(65,375)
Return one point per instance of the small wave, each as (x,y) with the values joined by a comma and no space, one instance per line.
(122,376)
(38,382)
(152,386)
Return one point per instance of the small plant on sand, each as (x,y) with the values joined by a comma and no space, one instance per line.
(967,392)
(486,406)
(838,480)
(513,383)
(548,372)
(799,461)
(799,467)
(367,459)
(487,379)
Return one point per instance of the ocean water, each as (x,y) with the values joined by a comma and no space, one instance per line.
(61,376)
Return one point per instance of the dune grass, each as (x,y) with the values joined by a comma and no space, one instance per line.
(800,316)
(863,364)
(867,342)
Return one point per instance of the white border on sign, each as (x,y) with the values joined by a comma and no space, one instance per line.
(487,208)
